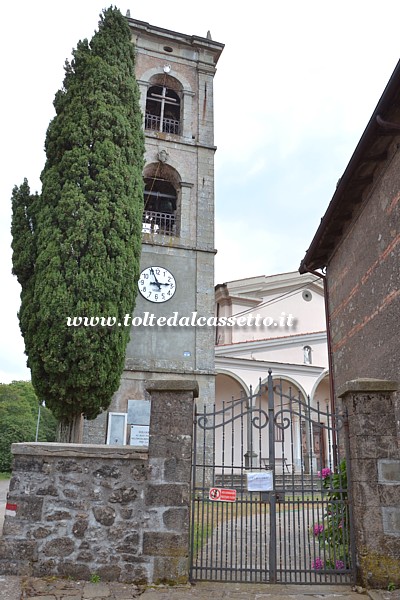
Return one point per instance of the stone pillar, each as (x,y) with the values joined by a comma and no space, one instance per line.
(374,445)
(168,492)
(143,87)
(187,229)
(187,114)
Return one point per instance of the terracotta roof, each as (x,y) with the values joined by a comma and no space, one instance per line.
(370,152)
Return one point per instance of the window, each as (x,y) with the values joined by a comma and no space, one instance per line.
(163,110)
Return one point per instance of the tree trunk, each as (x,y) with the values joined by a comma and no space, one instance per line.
(70,432)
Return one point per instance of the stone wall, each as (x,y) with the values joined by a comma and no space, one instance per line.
(363,277)
(112,511)
(374,444)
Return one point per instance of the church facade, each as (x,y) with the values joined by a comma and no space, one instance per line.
(280,326)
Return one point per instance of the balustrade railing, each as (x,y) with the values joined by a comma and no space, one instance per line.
(158,223)
(153,122)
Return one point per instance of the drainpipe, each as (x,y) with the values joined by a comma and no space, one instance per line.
(330,361)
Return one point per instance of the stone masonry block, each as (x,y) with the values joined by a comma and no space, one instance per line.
(170,446)
(140,574)
(49,490)
(370,446)
(107,472)
(178,408)
(367,423)
(69,466)
(177,519)
(28,507)
(389,495)
(106,573)
(17,550)
(123,495)
(16,567)
(358,388)
(365,493)
(170,570)
(168,494)
(58,547)
(71,569)
(79,527)
(391,520)
(372,404)
(11,529)
(364,470)
(158,543)
(129,544)
(177,469)
(139,471)
(369,519)
(42,532)
(389,471)
(31,464)
(105,515)
(59,515)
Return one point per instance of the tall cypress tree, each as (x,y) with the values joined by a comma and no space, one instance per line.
(76,246)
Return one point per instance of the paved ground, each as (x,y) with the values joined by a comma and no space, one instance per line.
(15,588)
(50,588)
(242,542)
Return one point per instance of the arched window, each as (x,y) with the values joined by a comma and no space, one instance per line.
(160,199)
(163,110)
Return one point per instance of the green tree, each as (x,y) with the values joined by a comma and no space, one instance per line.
(19,407)
(47,421)
(76,246)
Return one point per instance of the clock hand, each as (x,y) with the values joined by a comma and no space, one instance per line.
(155,282)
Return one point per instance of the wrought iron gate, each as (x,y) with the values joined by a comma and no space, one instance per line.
(269,491)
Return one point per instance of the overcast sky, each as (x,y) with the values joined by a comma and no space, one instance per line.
(295,87)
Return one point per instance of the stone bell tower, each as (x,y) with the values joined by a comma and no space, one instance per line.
(175,74)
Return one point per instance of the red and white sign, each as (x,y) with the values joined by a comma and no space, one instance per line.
(11,509)
(222,495)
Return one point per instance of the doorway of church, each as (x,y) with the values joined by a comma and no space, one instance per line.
(270,501)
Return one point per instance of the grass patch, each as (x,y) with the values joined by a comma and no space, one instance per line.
(200,536)
(4,476)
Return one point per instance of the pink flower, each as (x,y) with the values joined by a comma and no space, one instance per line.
(318,528)
(324,473)
(317,564)
(339,565)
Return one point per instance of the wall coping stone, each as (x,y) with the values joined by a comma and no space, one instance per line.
(367,385)
(173,385)
(78,450)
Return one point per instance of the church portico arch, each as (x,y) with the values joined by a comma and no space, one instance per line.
(228,384)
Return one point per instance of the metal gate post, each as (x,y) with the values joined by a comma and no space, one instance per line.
(272,494)
(193,499)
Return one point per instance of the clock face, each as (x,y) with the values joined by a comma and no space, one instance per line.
(156,284)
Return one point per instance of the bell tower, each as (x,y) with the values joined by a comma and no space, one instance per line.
(175,74)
